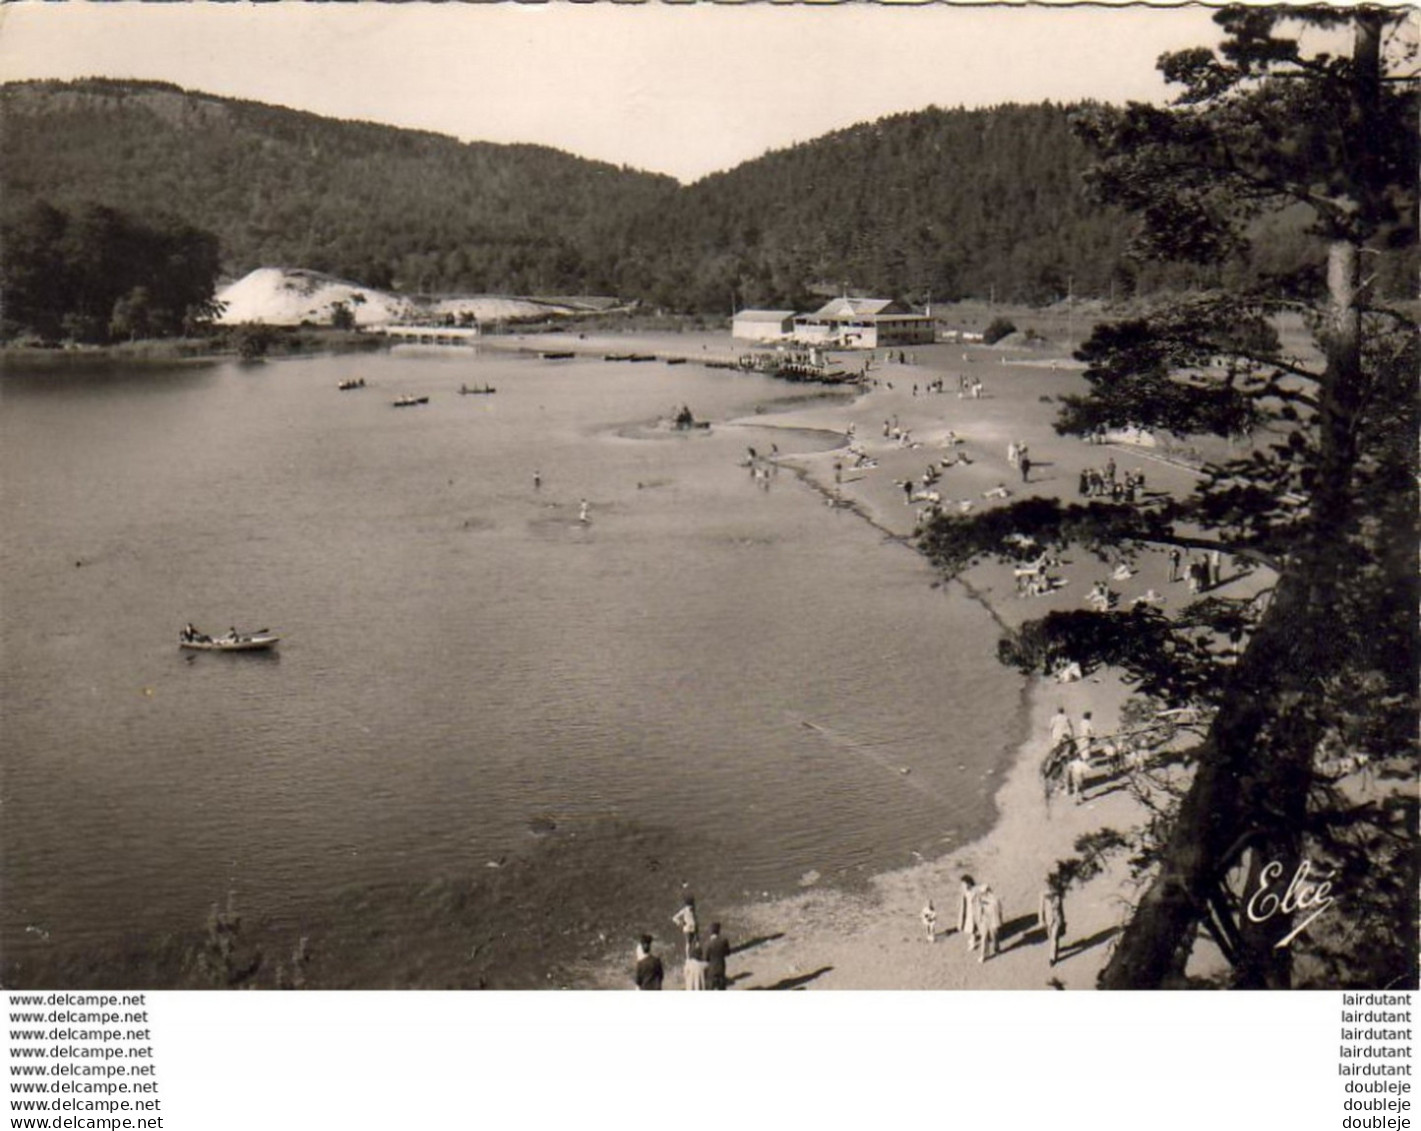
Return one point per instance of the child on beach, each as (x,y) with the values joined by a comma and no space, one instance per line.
(929,917)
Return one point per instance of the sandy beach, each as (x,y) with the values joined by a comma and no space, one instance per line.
(826,938)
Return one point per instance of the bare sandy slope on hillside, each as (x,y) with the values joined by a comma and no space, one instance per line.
(281,296)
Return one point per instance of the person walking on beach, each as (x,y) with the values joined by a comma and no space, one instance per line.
(1053,918)
(1025,461)
(929,918)
(967,911)
(989,919)
(1085,736)
(696,970)
(717,952)
(1061,730)
(582,512)
(1174,559)
(537,479)
(686,920)
(649,971)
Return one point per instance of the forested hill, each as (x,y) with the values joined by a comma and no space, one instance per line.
(933,204)
(936,203)
(384,206)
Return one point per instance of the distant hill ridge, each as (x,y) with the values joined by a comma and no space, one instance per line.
(936,204)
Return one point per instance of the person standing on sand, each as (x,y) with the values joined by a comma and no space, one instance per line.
(696,969)
(1061,730)
(1174,559)
(717,952)
(967,911)
(582,512)
(686,920)
(1053,918)
(649,971)
(1025,461)
(989,920)
(537,479)
(929,918)
(1085,736)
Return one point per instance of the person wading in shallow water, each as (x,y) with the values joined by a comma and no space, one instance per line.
(649,971)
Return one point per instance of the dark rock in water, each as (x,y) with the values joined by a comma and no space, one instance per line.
(542,826)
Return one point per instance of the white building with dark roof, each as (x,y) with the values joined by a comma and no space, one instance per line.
(864,323)
(762,325)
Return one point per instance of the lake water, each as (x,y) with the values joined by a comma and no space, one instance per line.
(745,668)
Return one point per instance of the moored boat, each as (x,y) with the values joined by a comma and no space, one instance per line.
(405,402)
(351,383)
(465,391)
(557,355)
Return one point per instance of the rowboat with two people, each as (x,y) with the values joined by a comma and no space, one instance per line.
(259,641)
(406,401)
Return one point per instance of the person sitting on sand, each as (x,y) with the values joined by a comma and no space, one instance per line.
(998,492)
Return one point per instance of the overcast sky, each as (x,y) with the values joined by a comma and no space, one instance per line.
(684,89)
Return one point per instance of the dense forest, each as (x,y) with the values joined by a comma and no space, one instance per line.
(99,275)
(936,204)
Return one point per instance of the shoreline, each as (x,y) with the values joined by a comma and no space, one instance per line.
(837,938)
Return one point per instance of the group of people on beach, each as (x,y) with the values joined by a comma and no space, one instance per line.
(1203,572)
(1105,483)
(980,918)
(704,966)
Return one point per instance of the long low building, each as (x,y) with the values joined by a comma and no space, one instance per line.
(763,325)
(848,323)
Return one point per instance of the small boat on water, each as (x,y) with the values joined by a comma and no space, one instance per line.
(557,355)
(465,391)
(351,383)
(616,357)
(405,402)
(259,641)
(675,361)
(641,357)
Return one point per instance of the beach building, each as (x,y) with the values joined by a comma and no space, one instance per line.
(762,325)
(864,323)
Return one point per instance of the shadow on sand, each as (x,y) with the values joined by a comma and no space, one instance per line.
(796,983)
(750,944)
